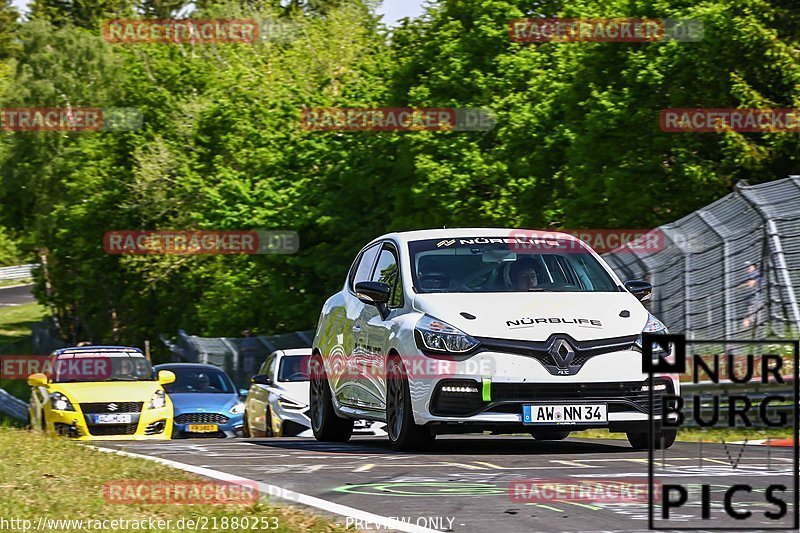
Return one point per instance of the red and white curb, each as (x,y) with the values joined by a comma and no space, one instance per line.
(778,443)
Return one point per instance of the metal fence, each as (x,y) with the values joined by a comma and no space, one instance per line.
(239,357)
(730,270)
(17,272)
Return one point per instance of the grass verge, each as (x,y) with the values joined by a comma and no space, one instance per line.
(695,434)
(13,282)
(16,322)
(58,479)
(15,327)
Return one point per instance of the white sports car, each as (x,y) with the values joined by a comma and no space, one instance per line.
(471,330)
(277,402)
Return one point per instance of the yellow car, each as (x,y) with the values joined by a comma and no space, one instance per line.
(101,393)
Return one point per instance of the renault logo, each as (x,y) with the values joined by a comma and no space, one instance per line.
(113,407)
(562,353)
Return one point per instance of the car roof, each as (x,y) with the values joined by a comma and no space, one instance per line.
(78,350)
(295,351)
(197,366)
(462,233)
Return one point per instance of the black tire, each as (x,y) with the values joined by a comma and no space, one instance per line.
(404,434)
(246,426)
(641,441)
(268,423)
(550,435)
(325,424)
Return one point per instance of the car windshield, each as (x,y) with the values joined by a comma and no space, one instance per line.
(506,265)
(100,366)
(198,380)
(293,368)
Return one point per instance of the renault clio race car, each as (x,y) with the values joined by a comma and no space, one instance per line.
(471,330)
(101,393)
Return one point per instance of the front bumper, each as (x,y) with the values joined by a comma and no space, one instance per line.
(149,424)
(513,380)
(231,427)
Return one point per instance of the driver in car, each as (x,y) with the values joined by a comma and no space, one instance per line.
(523,275)
(204,383)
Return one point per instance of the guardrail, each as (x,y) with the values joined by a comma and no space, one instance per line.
(13,406)
(17,272)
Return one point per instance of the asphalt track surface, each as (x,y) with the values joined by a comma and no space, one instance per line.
(16,295)
(463,483)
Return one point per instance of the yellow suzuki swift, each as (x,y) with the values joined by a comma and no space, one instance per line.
(103,393)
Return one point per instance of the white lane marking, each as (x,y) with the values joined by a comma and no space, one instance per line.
(281,493)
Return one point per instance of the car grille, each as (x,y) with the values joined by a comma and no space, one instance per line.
(584,350)
(201,418)
(112,430)
(117,407)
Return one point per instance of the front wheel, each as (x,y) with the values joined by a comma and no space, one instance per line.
(404,434)
(246,426)
(664,439)
(327,427)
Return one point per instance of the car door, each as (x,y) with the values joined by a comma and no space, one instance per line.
(387,270)
(258,397)
(344,373)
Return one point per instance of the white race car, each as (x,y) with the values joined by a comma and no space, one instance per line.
(277,402)
(471,330)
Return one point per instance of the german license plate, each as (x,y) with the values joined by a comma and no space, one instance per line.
(112,419)
(565,414)
(202,428)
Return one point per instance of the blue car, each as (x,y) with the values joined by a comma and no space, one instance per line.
(205,401)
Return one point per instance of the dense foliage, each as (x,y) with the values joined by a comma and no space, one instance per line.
(577,142)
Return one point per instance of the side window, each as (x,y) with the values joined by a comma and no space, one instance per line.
(271,364)
(362,270)
(387,271)
(265,367)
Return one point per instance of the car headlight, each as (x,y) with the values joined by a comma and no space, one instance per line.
(290,404)
(237,409)
(656,327)
(158,400)
(59,402)
(442,337)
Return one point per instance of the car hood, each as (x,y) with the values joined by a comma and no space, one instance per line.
(103,392)
(537,315)
(296,391)
(199,402)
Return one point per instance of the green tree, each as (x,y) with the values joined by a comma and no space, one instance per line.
(9,26)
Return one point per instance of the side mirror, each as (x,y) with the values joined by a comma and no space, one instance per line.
(165,377)
(37,380)
(243,393)
(261,379)
(374,293)
(641,289)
